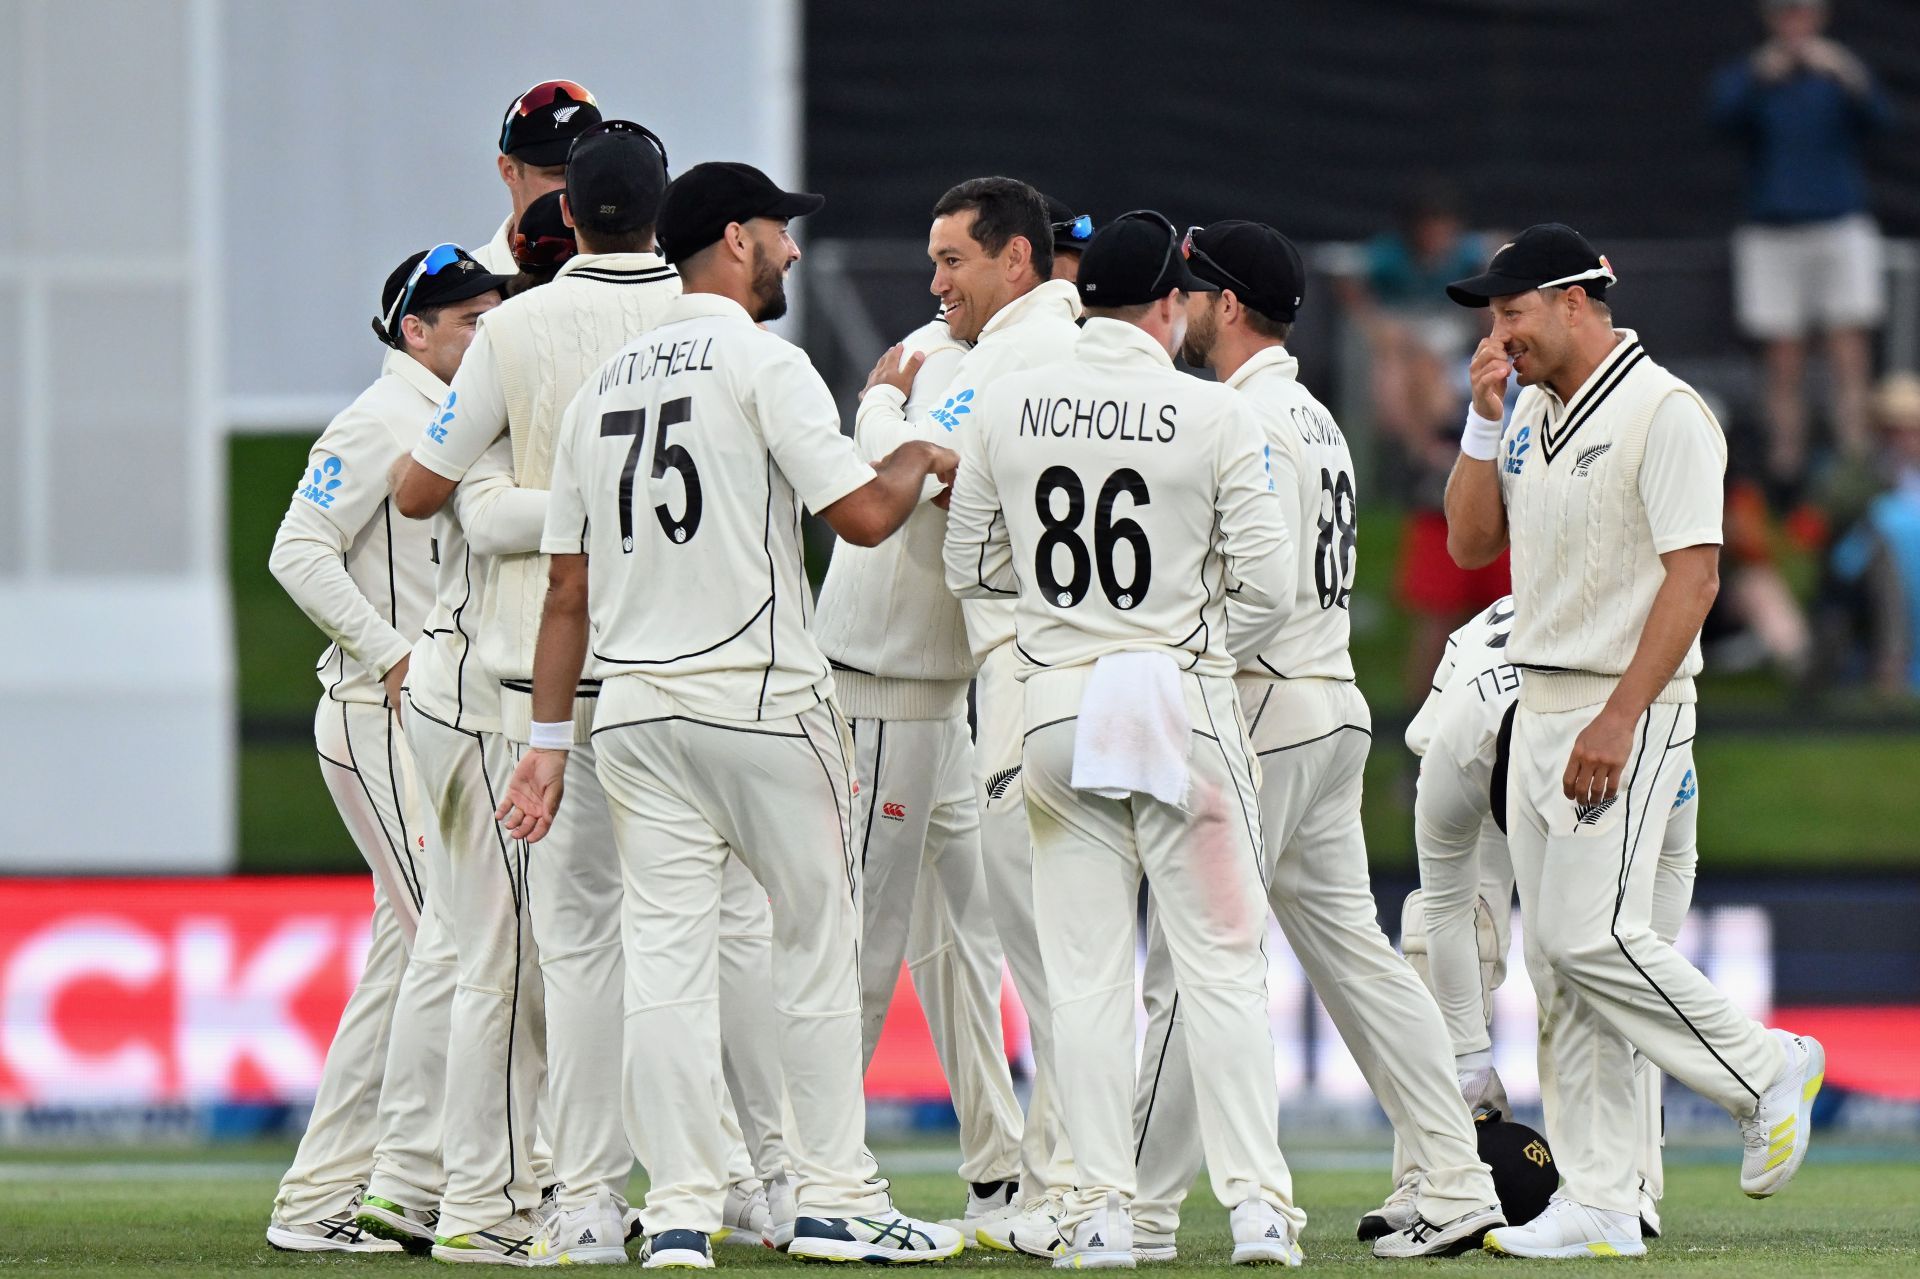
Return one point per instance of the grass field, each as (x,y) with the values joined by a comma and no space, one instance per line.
(1850,1212)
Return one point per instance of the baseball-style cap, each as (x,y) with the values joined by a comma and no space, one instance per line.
(543,241)
(433,277)
(1071,231)
(1259,264)
(542,123)
(1550,255)
(701,203)
(616,174)
(1136,258)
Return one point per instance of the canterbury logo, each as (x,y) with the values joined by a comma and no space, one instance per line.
(1537,1154)
(998,783)
(1583,465)
(894,812)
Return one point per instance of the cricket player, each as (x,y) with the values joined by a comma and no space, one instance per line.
(1120,503)
(538,128)
(1455,927)
(716,734)
(902,658)
(1606,481)
(1311,729)
(1071,234)
(362,575)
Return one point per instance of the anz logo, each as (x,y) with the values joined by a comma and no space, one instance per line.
(437,429)
(1517,450)
(322,486)
(1688,789)
(956,407)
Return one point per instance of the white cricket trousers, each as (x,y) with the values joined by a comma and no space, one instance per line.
(1587,879)
(496,1037)
(1311,737)
(369,772)
(688,791)
(1089,854)
(1463,860)
(1006,849)
(916,809)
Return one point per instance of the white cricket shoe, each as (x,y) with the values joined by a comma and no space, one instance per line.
(890,1237)
(411,1228)
(1103,1241)
(782,1209)
(1649,1213)
(1397,1213)
(1155,1248)
(1569,1229)
(1449,1239)
(341,1232)
(1261,1236)
(595,1235)
(677,1250)
(745,1217)
(1033,1228)
(505,1243)
(1781,1126)
(985,1200)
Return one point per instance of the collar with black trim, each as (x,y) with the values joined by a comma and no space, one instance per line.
(1564,419)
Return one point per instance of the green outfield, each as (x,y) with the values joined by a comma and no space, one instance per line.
(1819,795)
(1850,1212)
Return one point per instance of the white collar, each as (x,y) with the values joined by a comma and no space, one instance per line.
(1275,357)
(1052,295)
(1118,340)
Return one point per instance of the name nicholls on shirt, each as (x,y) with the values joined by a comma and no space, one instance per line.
(658,359)
(1068,418)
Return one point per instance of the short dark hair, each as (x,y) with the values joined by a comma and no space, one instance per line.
(1268,327)
(1002,209)
(638,240)
(1130,313)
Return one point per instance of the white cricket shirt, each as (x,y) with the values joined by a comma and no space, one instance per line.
(1472,689)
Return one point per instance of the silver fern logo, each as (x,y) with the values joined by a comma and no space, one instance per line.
(1583,465)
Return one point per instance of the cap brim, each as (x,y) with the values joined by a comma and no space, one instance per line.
(1482,289)
(544,154)
(471,286)
(795,204)
(1190,281)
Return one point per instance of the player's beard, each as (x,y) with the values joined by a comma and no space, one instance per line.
(1200,335)
(769,286)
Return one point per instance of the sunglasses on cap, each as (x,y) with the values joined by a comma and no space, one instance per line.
(623,126)
(438,259)
(1194,253)
(542,250)
(541,96)
(1078,229)
(1602,272)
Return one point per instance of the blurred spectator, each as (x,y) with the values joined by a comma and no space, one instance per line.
(1875,568)
(1419,345)
(542,243)
(1808,258)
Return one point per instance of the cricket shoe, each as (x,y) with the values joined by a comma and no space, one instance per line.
(1449,1239)
(595,1235)
(745,1216)
(890,1238)
(1569,1229)
(1154,1250)
(505,1243)
(1103,1241)
(1781,1126)
(782,1211)
(985,1199)
(677,1250)
(1649,1213)
(1033,1228)
(1261,1236)
(341,1232)
(411,1228)
(1397,1213)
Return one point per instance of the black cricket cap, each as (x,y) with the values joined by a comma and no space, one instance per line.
(1133,259)
(703,201)
(543,241)
(1550,253)
(1524,1174)
(452,276)
(1071,231)
(542,123)
(1261,266)
(616,174)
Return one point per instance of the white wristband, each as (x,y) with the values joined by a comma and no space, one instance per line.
(557,736)
(1480,437)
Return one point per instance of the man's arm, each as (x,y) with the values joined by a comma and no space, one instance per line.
(881,424)
(465,425)
(499,517)
(1253,482)
(1476,512)
(871,513)
(534,793)
(978,549)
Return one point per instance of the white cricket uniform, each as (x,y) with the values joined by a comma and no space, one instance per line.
(1311,730)
(361,572)
(528,357)
(497,254)
(1120,501)
(716,736)
(1036,328)
(898,645)
(1596,490)
(1456,926)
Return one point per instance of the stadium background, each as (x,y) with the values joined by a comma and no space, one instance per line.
(173,341)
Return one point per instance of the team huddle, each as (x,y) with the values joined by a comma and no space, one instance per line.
(653,831)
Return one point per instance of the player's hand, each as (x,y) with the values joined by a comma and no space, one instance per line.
(394,679)
(1599,758)
(894,371)
(1489,373)
(1774,61)
(533,795)
(943,465)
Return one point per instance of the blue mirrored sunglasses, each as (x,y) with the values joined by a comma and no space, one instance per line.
(438,259)
(1080,228)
